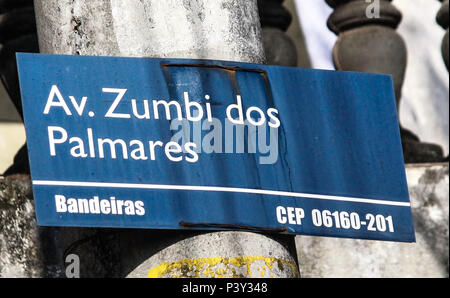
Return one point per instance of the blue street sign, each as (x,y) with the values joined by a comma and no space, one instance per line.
(197,144)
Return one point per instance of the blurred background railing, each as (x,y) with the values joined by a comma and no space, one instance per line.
(401,37)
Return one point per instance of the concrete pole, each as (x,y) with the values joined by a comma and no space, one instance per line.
(198,29)
(226,30)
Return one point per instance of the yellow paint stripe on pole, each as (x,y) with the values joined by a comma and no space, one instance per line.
(218,267)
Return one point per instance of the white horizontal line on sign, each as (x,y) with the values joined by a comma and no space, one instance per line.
(219,189)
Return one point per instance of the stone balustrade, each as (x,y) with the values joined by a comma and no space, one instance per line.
(368,42)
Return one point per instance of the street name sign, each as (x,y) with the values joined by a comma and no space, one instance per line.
(213,145)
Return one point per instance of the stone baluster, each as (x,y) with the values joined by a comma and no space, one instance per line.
(368,42)
(275,20)
(86,28)
(367,39)
(442,19)
(17,34)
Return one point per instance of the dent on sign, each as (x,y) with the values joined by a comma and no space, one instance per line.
(189,144)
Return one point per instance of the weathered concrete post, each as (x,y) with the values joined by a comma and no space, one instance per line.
(220,29)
